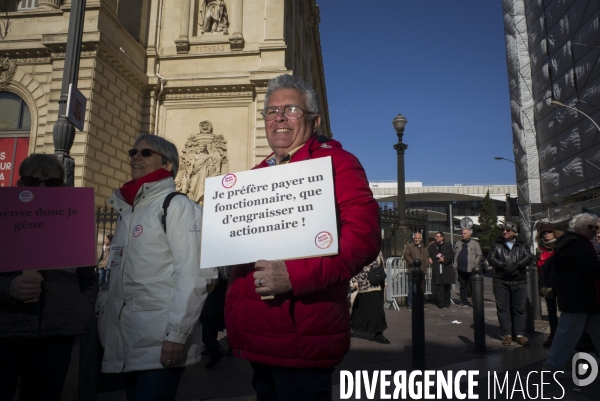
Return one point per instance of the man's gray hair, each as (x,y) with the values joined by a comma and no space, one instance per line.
(287,81)
(581,220)
(162,146)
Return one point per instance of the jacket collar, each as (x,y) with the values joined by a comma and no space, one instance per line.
(306,151)
(518,241)
(149,190)
(567,239)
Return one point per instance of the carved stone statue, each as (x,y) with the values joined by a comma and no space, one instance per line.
(213,17)
(204,155)
(7,72)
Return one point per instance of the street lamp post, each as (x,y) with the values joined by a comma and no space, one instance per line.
(502,158)
(63,135)
(508,211)
(557,103)
(63,132)
(399,122)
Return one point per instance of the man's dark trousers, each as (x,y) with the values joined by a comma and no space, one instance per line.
(511,296)
(443,295)
(42,364)
(463,279)
(273,383)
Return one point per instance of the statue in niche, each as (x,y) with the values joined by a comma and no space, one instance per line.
(213,17)
(204,155)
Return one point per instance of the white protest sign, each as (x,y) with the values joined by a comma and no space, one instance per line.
(280,212)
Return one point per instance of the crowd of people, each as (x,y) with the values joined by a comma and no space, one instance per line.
(290,319)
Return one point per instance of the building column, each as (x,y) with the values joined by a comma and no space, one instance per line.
(183,42)
(236,18)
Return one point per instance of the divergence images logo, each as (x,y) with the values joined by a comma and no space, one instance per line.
(584,365)
(229,180)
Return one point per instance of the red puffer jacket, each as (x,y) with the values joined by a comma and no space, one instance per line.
(309,327)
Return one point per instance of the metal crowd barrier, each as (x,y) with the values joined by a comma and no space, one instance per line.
(397,281)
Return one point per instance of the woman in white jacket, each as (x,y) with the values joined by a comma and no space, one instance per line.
(148,313)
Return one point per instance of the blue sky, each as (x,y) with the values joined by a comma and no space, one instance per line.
(442,65)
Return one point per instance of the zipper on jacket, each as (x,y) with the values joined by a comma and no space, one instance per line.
(137,200)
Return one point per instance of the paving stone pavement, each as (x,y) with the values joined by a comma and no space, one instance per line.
(448,347)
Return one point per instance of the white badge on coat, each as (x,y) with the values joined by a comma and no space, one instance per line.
(115,258)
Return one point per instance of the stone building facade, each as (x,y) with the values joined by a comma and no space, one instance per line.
(192,71)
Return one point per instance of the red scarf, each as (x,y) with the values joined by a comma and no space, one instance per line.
(130,189)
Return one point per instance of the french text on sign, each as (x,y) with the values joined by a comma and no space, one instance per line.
(48,218)
(271,213)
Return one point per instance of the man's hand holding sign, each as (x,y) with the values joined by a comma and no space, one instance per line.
(271,278)
(303,222)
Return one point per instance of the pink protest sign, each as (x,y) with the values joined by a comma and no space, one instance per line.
(47,228)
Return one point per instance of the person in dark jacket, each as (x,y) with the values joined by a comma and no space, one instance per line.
(467,256)
(509,258)
(212,319)
(442,272)
(412,251)
(577,290)
(546,240)
(40,315)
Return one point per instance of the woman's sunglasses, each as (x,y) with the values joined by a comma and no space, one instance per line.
(31,181)
(144,152)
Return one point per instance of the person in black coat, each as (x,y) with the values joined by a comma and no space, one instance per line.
(41,315)
(509,257)
(440,259)
(577,290)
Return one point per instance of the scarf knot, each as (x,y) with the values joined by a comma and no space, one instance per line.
(130,189)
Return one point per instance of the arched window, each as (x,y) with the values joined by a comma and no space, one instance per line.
(15,127)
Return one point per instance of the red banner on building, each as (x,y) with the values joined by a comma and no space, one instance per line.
(12,153)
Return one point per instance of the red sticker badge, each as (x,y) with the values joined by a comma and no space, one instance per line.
(229,180)
(137,231)
(323,240)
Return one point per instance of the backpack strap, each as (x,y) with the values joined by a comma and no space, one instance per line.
(165,206)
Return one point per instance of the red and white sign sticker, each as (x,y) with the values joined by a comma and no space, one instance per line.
(26,196)
(137,231)
(323,240)
(229,180)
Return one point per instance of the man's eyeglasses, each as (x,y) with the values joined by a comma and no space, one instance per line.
(31,181)
(291,111)
(592,227)
(144,152)
(506,230)
(547,232)
(597,236)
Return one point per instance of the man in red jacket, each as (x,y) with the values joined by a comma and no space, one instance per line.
(294,340)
